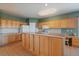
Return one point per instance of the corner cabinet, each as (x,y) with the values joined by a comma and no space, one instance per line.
(63,23)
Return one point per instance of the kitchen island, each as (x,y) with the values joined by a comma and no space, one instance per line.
(43,44)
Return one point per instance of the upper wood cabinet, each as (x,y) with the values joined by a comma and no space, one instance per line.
(10,23)
(3,23)
(64,23)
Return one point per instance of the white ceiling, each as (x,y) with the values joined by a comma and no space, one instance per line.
(32,9)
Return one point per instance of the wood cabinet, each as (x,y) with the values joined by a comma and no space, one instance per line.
(9,23)
(24,40)
(42,45)
(36,44)
(3,23)
(46,48)
(63,23)
(71,22)
(57,47)
(31,42)
(27,38)
(50,46)
(13,37)
(75,42)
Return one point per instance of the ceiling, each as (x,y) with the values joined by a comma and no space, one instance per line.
(32,9)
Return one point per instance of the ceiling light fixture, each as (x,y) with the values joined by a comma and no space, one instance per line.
(46,4)
(47,12)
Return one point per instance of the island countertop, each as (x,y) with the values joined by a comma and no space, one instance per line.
(50,35)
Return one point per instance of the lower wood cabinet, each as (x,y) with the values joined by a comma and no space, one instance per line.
(36,44)
(57,47)
(27,38)
(44,45)
(41,45)
(23,40)
(75,42)
(13,37)
(31,42)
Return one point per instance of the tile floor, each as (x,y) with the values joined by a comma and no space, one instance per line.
(71,51)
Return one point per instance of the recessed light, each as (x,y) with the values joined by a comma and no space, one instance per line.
(47,12)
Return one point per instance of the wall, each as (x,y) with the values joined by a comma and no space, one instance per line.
(78,27)
(59,17)
(12,17)
(68,15)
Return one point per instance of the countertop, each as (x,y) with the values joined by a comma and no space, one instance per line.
(50,35)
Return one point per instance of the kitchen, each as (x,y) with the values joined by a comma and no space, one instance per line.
(44,31)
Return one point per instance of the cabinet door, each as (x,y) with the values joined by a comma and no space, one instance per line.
(27,38)
(52,24)
(71,23)
(23,40)
(50,46)
(57,47)
(63,23)
(41,45)
(44,46)
(46,51)
(11,38)
(75,42)
(9,23)
(36,44)
(3,23)
(31,42)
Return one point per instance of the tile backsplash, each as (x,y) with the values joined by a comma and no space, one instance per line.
(69,31)
(62,31)
(53,31)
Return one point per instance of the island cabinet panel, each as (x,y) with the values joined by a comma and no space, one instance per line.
(23,40)
(43,46)
(31,42)
(36,44)
(46,51)
(57,47)
(50,46)
(27,38)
